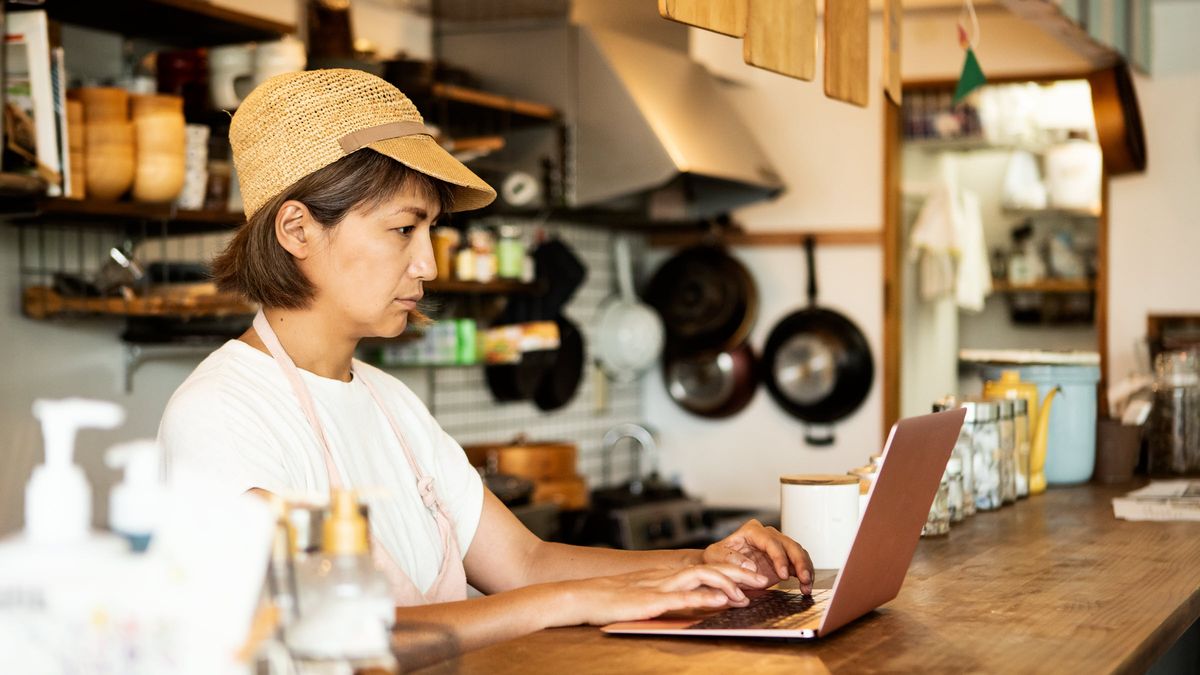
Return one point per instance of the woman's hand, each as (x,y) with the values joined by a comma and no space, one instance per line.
(649,593)
(765,550)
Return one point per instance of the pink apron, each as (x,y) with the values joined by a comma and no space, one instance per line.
(451,581)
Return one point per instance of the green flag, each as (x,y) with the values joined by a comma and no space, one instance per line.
(972,77)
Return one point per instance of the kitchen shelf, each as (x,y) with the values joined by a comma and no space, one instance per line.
(483,99)
(41,302)
(1050,211)
(58,209)
(183,23)
(848,237)
(1046,286)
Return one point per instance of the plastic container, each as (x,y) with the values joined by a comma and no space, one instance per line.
(1071,447)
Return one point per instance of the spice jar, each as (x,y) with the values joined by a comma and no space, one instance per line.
(510,253)
(483,243)
(983,422)
(1008,452)
(445,240)
(1021,425)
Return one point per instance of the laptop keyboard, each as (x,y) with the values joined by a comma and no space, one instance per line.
(773,609)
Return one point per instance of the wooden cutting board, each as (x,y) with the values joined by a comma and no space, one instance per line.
(891,49)
(781,36)
(846,50)
(727,17)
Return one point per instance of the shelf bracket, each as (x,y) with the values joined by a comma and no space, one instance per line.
(136,355)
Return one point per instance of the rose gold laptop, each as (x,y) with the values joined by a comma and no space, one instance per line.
(913,461)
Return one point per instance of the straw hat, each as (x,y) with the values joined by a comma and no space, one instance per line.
(295,123)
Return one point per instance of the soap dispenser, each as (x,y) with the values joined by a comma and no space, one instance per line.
(58,498)
(346,608)
(136,503)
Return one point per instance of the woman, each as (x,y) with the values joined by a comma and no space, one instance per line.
(341,183)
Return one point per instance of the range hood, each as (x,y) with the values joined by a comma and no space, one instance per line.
(653,136)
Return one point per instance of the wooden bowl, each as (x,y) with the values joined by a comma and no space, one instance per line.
(104,104)
(159,134)
(108,174)
(158,177)
(110,136)
(157,104)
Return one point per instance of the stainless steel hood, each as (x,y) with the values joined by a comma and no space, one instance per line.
(652,133)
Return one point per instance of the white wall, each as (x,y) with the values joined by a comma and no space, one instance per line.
(1154,229)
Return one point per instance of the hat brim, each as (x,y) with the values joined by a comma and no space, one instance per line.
(422,153)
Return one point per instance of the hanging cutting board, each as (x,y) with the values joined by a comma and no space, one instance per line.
(846,49)
(891,49)
(727,17)
(781,36)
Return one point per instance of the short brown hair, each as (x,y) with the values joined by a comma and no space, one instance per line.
(256,266)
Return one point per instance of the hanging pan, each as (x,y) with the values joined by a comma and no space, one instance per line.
(816,363)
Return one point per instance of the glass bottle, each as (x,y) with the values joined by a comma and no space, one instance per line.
(954,479)
(1175,427)
(964,453)
(346,608)
(937,523)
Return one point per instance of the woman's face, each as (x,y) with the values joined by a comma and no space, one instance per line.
(369,269)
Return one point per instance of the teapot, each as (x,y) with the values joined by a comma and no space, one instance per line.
(1010,385)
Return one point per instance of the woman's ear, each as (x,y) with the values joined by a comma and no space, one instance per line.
(295,229)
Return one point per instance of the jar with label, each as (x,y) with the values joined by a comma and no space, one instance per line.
(483,242)
(1008,452)
(445,241)
(510,253)
(938,521)
(984,425)
(1021,424)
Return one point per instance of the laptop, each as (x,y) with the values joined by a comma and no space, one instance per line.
(914,458)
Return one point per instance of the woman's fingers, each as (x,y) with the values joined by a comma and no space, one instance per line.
(734,557)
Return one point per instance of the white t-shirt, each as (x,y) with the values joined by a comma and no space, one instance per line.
(235,421)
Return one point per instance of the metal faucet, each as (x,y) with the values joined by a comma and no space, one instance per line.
(645,445)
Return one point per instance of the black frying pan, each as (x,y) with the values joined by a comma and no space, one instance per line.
(558,386)
(816,363)
(713,384)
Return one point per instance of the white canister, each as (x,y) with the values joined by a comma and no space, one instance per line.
(821,513)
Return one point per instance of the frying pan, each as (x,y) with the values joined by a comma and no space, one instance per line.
(706,298)
(561,379)
(816,363)
(714,384)
(629,334)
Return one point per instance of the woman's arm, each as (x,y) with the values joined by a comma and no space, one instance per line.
(504,555)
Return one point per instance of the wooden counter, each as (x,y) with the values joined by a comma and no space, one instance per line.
(1053,583)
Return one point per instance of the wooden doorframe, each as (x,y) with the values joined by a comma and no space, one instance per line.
(893,241)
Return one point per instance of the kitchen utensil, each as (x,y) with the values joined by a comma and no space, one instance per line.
(561,273)
(1070,433)
(521,457)
(561,378)
(706,298)
(713,384)
(781,36)
(1010,385)
(891,49)
(821,511)
(816,363)
(727,17)
(629,334)
(109,161)
(104,104)
(1118,119)
(846,51)
(231,75)
(510,490)
(160,143)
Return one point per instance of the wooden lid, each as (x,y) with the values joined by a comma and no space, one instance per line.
(817,479)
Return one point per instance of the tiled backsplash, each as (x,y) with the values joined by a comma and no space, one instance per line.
(461,402)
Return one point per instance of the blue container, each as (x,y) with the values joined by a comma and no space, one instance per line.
(1071,446)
